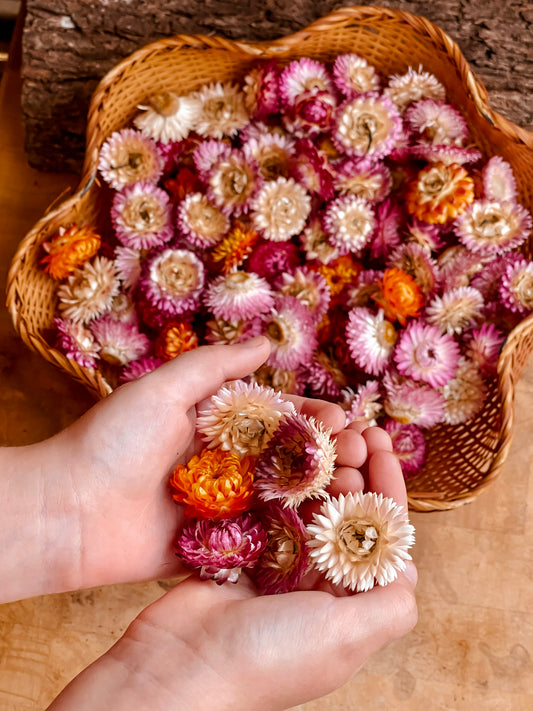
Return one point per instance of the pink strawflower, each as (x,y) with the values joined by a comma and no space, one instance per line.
(464,394)
(404,89)
(499,182)
(309,287)
(311,113)
(350,223)
(459,266)
(516,288)
(414,403)
(271,259)
(368,125)
(425,234)
(122,308)
(389,220)
(437,122)
(303,75)
(323,377)
(221,549)
(298,462)
(425,354)
(224,332)
(232,183)
(353,75)
(366,286)
(208,153)
(137,368)
(238,295)
(370,339)
(200,221)
(483,347)
(488,278)
(409,445)
(272,152)
(413,259)
(128,157)
(280,209)
(119,342)
(128,264)
(77,342)
(261,90)
(455,310)
(366,178)
(311,169)
(141,216)
(291,330)
(280,379)
(284,560)
(445,153)
(365,405)
(490,227)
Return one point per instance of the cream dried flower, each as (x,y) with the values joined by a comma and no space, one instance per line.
(464,394)
(412,86)
(455,310)
(222,111)
(359,540)
(89,291)
(168,117)
(242,418)
(281,209)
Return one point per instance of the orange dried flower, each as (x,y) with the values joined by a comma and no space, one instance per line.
(439,193)
(400,296)
(182,184)
(234,248)
(215,484)
(69,249)
(339,273)
(176,338)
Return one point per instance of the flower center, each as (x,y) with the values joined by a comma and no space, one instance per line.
(275,332)
(523,288)
(165,103)
(425,356)
(386,333)
(359,538)
(178,277)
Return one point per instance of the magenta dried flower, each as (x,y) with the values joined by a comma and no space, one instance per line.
(271,259)
(516,287)
(261,90)
(437,122)
(371,339)
(208,153)
(311,169)
(311,113)
(135,369)
(141,216)
(483,347)
(309,287)
(499,182)
(389,219)
(425,354)
(119,342)
(365,404)
(323,377)
(410,402)
(409,445)
(238,296)
(77,342)
(350,223)
(300,76)
(291,329)
(272,153)
(353,75)
(366,178)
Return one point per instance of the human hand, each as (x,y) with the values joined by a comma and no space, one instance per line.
(203,646)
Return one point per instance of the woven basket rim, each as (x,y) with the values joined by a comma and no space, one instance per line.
(343,17)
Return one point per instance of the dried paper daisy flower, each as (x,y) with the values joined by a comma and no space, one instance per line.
(416,261)
(242,418)
(340,273)
(439,193)
(366,178)
(203,224)
(298,462)
(261,90)
(291,329)
(222,110)
(232,183)
(483,347)
(371,339)
(312,170)
(177,337)
(437,122)
(459,266)
(309,287)
(128,157)
(516,288)
(455,310)
(69,249)
(221,549)
(122,308)
(444,153)
(366,285)
(426,235)
(280,209)
(77,342)
(279,379)
(353,75)
(367,125)
(425,354)
(208,153)
(119,342)
(235,248)
(238,295)
(323,376)
(414,85)
(315,244)
(398,295)
(128,263)
(389,219)
(301,76)
(491,227)
(284,560)
(271,259)
(273,154)
(141,216)
(499,182)
(365,404)
(464,394)
(88,291)
(225,332)
(137,368)
(350,223)
(410,402)
(359,540)
(311,114)
(409,445)
(168,117)
(215,484)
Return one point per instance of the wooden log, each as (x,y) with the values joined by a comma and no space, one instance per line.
(68,45)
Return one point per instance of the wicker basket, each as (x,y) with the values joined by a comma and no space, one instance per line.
(462,460)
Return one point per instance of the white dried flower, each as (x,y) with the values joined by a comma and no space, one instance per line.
(464,394)
(88,291)
(455,310)
(412,86)
(222,111)
(168,117)
(281,209)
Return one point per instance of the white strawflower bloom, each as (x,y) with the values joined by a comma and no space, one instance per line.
(359,540)
(222,111)
(88,291)
(280,209)
(412,86)
(242,417)
(465,394)
(350,222)
(456,309)
(168,117)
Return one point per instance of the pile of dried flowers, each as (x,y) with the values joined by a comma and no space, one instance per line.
(243,492)
(343,214)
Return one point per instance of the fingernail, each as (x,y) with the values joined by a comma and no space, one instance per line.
(411,573)
(253,342)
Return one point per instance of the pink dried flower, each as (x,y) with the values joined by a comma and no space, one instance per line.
(141,216)
(128,264)
(119,342)
(366,286)
(137,368)
(284,560)
(200,221)
(414,260)
(280,209)
(483,347)
(315,244)
(221,549)
(261,90)
(298,462)
(233,182)
(499,182)
(458,266)
(128,157)
(88,291)
(300,76)
(77,342)
(389,219)
(371,339)
(455,310)
(490,227)
(309,287)
(208,153)
(271,259)
(488,277)
(323,377)
(365,405)
(366,178)
(353,75)
(238,295)
(425,354)
(464,394)
(272,153)
(414,403)
(445,153)
(409,445)
(437,122)
(367,125)
(225,332)
(516,288)
(291,329)
(425,234)
(350,223)
(311,169)
(310,114)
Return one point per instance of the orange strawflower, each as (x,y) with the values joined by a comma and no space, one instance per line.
(439,193)
(69,249)
(182,184)
(234,248)
(176,338)
(216,484)
(399,296)
(339,273)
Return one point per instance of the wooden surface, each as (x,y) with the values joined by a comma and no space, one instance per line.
(472,648)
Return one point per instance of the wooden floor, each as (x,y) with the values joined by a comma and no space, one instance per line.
(473,646)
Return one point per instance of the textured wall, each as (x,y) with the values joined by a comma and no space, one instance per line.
(68,45)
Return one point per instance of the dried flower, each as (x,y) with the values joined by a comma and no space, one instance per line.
(424,353)
(323,377)
(414,260)
(310,114)
(168,117)
(399,295)
(491,227)
(483,347)
(353,75)
(340,272)
(371,339)
(141,216)
(203,224)
(242,418)
(455,310)
(232,183)
(366,178)
(444,153)
(77,342)
(499,182)
(234,248)
(314,242)
(69,249)
(88,291)
(272,153)
(409,402)
(128,263)
(386,237)
(291,329)
(271,259)
(309,287)
(439,193)
(350,223)
(312,170)
(119,342)
(437,122)
(367,125)
(222,110)
(365,404)
(516,288)
(359,540)
(298,462)
(414,85)
(177,337)
(279,379)
(233,331)
(214,484)
(464,394)
(280,209)
(301,76)
(128,157)
(261,90)
(238,295)
(409,445)
(221,549)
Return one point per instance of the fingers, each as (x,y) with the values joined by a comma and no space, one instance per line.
(332,416)
(385,476)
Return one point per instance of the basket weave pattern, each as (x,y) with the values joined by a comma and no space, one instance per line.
(462,460)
